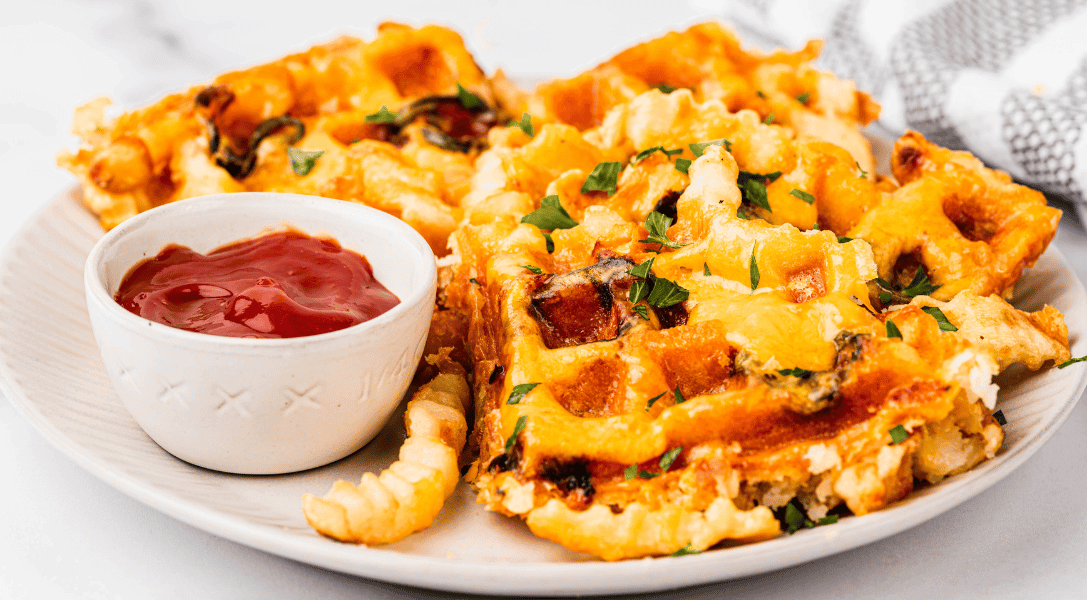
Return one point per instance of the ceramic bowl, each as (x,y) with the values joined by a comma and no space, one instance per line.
(262,406)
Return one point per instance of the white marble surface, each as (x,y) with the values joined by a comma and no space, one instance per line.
(64,534)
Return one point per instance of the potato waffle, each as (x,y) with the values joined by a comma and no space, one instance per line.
(234,134)
(783,387)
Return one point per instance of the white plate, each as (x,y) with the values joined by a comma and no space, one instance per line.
(51,371)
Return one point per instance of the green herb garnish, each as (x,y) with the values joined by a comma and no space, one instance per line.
(844,240)
(940,317)
(794,518)
(753,187)
(467,98)
(669,457)
(683,165)
(795,372)
(863,172)
(644,154)
(653,400)
(657,225)
(550,215)
(603,178)
(1071,362)
(761,94)
(517,429)
(638,290)
(642,270)
(706,269)
(642,311)
(630,472)
(699,148)
(769,119)
(806,197)
(892,330)
(688,549)
(549,241)
(919,285)
(1000,419)
(678,396)
(381,116)
(753,267)
(666,293)
(898,434)
(533,268)
(665,88)
(803,98)
(476,281)
(303,161)
(519,392)
(525,124)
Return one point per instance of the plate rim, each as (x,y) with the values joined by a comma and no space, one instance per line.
(540,578)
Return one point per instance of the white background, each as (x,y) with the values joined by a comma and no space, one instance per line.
(64,534)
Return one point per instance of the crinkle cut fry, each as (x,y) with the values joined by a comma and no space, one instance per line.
(407,496)
(640,531)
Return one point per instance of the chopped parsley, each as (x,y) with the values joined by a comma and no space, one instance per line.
(657,225)
(476,281)
(678,396)
(898,434)
(940,317)
(803,98)
(642,311)
(753,187)
(639,290)
(706,269)
(603,178)
(533,268)
(519,392)
(550,215)
(683,165)
(647,474)
(467,98)
(863,172)
(525,124)
(550,242)
(669,457)
(1000,419)
(699,148)
(761,94)
(1071,362)
(653,400)
(795,519)
(642,270)
(844,240)
(919,285)
(795,372)
(753,267)
(381,116)
(666,293)
(644,154)
(517,429)
(303,161)
(769,119)
(892,330)
(630,472)
(686,550)
(806,197)
(665,88)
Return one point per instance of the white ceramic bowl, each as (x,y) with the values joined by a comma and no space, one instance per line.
(262,406)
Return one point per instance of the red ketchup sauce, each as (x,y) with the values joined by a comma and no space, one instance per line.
(280,285)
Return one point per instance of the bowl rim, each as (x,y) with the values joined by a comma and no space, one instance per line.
(370,219)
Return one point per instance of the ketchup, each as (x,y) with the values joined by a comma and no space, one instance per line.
(280,285)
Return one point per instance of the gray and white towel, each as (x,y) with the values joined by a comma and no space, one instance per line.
(1004,79)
